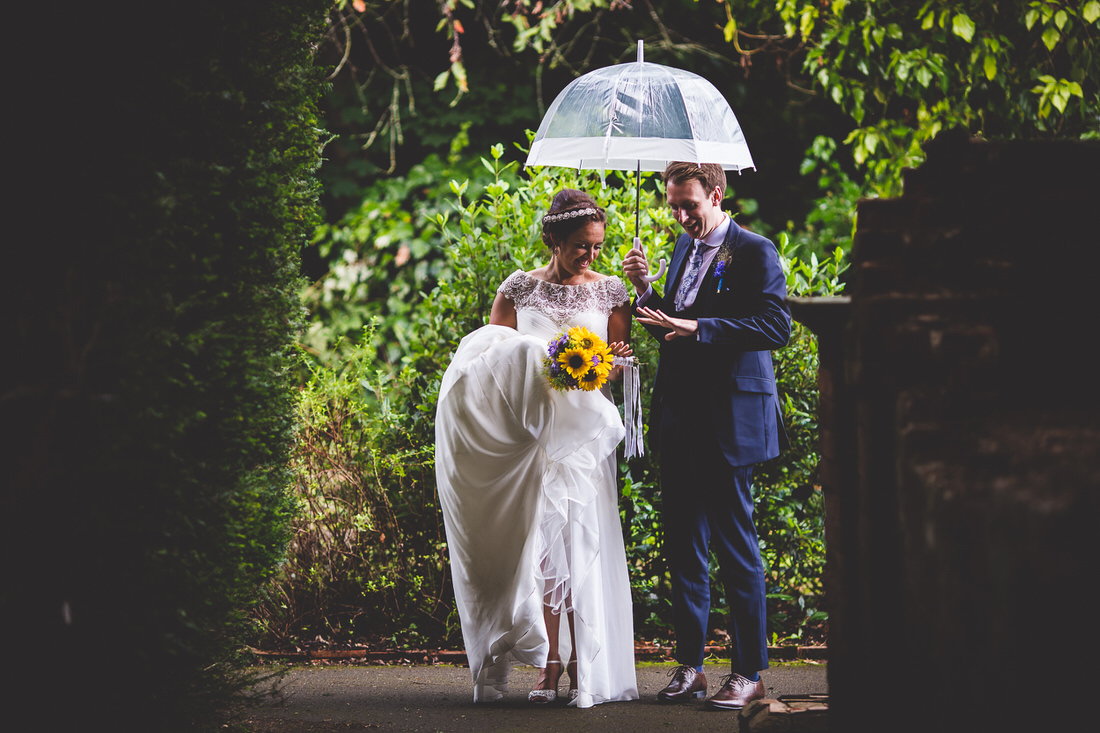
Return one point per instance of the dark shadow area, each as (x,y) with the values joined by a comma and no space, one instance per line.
(960,436)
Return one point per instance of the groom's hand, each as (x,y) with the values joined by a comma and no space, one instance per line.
(636,267)
(676,326)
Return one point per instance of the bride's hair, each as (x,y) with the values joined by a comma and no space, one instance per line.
(569,211)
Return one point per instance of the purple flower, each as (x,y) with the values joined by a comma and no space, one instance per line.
(720,273)
(556,345)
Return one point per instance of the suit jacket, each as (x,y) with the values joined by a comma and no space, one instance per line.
(724,381)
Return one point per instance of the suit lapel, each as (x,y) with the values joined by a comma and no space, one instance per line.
(733,236)
(708,287)
(679,262)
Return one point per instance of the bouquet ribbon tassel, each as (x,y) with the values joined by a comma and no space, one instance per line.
(632,406)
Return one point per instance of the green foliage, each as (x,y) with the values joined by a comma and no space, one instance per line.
(387,253)
(368,555)
(388,115)
(904,72)
(365,454)
(830,223)
(379,49)
(900,72)
(150,416)
(790,512)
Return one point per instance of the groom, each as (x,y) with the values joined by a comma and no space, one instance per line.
(715,414)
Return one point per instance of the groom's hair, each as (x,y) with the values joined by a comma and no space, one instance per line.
(709,175)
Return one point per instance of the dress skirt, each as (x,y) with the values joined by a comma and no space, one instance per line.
(526,480)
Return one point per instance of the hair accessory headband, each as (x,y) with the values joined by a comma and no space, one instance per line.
(571,214)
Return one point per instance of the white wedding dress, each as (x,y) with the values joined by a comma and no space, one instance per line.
(526,479)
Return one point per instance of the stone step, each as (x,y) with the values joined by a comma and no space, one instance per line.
(787,714)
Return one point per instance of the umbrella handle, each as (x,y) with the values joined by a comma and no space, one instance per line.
(658,276)
(660,270)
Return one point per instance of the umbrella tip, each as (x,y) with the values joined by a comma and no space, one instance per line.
(641,57)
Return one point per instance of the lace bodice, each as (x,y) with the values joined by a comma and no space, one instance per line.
(544,308)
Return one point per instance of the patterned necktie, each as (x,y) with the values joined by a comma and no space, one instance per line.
(687,283)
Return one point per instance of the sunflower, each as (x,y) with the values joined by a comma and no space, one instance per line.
(602,360)
(591,380)
(582,337)
(575,360)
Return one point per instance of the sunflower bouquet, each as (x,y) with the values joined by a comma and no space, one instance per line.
(577,359)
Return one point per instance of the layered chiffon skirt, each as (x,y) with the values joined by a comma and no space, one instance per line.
(526,479)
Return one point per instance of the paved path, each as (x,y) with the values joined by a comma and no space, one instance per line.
(438,698)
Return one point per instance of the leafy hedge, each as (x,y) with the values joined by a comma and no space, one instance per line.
(368,563)
(150,413)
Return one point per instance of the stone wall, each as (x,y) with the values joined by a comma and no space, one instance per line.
(961,418)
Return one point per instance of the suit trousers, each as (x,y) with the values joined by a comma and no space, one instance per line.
(707,504)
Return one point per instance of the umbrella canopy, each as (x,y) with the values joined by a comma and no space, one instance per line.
(639,116)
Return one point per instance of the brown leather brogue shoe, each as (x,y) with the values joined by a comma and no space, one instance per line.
(687,684)
(735,693)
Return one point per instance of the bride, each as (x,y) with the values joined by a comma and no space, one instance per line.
(526,479)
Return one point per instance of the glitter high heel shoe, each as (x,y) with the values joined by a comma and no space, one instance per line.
(573,680)
(545,691)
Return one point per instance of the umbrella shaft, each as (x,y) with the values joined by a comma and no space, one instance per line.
(638,182)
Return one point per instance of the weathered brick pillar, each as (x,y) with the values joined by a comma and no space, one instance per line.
(967,441)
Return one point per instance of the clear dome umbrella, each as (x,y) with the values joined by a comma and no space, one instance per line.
(639,116)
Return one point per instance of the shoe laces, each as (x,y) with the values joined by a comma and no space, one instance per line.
(681,671)
(735,680)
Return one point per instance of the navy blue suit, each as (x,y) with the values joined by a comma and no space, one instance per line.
(715,413)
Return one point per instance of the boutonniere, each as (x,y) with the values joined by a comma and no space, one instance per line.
(723,258)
